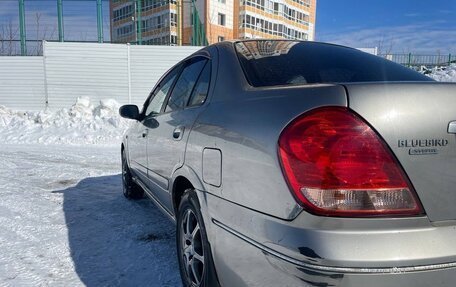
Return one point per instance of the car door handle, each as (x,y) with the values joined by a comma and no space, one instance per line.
(144,133)
(178,132)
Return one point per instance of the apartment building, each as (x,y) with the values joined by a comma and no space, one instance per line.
(157,20)
(182,22)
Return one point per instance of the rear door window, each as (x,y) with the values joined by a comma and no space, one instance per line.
(185,84)
(158,98)
(199,94)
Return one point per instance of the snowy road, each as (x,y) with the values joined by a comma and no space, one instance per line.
(64,222)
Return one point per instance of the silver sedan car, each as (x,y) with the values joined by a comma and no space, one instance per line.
(288,163)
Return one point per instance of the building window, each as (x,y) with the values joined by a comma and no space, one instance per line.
(125,30)
(159,21)
(173,19)
(276,8)
(283,10)
(220,39)
(151,4)
(123,13)
(271,28)
(221,19)
(173,40)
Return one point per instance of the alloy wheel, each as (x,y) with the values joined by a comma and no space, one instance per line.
(192,248)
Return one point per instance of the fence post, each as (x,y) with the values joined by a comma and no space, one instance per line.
(22,28)
(129,72)
(193,25)
(60,20)
(178,21)
(100,21)
(46,93)
(410,59)
(138,21)
(449,59)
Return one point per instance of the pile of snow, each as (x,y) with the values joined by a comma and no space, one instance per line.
(441,74)
(81,124)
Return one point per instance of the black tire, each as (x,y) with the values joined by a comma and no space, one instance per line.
(130,189)
(194,273)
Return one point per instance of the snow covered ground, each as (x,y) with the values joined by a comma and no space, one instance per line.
(63,219)
(65,222)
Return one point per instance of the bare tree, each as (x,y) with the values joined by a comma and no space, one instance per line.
(39,46)
(2,43)
(44,34)
(11,37)
(385,45)
(8,39)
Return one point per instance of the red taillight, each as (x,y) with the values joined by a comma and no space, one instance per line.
(336,165)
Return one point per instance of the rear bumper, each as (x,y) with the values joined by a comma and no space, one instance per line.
(253,249)
(244,262)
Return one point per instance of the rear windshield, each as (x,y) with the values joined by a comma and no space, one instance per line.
(274,63)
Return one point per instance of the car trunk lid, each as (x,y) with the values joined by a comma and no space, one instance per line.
(417,121)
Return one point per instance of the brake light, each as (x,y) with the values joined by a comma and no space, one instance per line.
(336,165)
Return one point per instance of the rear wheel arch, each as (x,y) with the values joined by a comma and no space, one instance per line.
(183,179)
(180,185)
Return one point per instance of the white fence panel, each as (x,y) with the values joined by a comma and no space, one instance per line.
(149,63)
(97,71)
(100,71)
(22,83)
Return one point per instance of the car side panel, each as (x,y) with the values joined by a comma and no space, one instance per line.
(165,153)
(246,131)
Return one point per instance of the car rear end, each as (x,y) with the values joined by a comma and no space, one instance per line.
(375,181)
(369,163)
(386,166)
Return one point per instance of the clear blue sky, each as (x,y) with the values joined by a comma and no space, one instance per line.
(398,26)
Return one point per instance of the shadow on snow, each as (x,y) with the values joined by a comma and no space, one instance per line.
(117,242)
